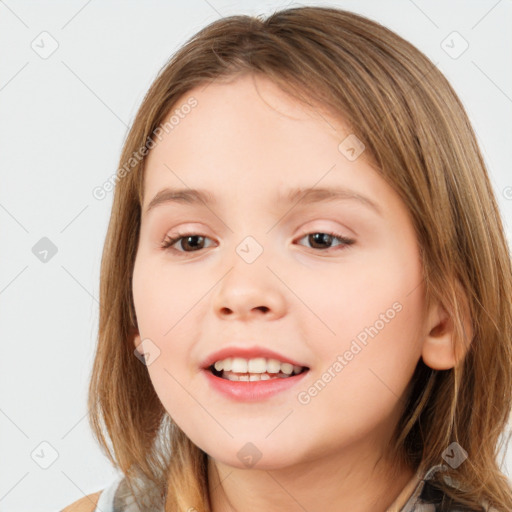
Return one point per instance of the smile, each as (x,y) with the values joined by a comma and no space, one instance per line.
(250,387)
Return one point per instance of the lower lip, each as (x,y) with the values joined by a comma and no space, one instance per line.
(252,391)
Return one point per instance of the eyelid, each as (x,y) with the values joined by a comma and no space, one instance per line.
(338,229)
(173,238)
(346,241)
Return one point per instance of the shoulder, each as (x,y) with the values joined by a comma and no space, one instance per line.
(86,504)
(102,500)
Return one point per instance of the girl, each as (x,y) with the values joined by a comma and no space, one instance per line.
(241,364)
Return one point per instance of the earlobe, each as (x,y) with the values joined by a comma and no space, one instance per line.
(137,341)
(441,351)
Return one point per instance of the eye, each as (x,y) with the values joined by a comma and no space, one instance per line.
(192,240)
(320,239)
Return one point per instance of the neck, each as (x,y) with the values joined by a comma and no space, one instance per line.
(339,481)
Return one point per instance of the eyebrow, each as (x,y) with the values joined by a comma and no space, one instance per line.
(304,195)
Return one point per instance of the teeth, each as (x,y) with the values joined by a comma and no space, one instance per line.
(239,365)
(273,365)
(252,376)
(257,365)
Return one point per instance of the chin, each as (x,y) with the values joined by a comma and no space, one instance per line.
(253,456)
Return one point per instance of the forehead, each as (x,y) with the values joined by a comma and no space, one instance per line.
(247,137)
(247,115)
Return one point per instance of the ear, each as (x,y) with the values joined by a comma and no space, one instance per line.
(440,350)
(137,341)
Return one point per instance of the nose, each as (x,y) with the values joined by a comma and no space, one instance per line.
(250,291)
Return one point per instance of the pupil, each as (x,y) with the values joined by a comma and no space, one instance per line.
(324,238)
(188,238)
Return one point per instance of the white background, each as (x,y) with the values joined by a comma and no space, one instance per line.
(63,120)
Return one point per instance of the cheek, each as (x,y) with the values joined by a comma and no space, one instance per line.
(159,310)
(374,301)
(165,302)
(369,285)
(363,369)
(163,296)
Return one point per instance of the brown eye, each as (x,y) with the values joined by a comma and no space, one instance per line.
(189,242)
(192,242)
(321,240)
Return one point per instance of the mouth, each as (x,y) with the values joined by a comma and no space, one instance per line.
(254,379)
(261,371)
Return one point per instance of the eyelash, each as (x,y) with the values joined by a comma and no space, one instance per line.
(169,241)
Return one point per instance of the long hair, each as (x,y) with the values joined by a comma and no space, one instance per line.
(418,136)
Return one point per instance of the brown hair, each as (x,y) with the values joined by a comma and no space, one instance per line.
(418,136)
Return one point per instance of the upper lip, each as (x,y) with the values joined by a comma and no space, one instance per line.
(246,353)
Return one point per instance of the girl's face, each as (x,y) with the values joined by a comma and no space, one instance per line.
(262,272)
